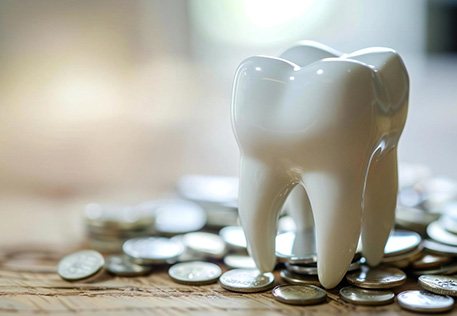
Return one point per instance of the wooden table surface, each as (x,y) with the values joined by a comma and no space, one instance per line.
(33,241)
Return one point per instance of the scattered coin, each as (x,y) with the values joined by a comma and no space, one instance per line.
(234,237)
(407,256)
(122,266)
(439,284)
(80,265)
(296,247)
(414,218)
(360,296)
(439,234)
(430,261)
(312,269)
(195,273)
(401,241)
(300,279)
(239,262)
(299,294)
(446,269)
(210,245)
(179,217)
(449,218)
(423,301)
(439,248)
(246,280)
(153,250)
(377,278)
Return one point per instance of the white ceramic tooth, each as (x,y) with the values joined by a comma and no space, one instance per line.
(318,126)
(382,180)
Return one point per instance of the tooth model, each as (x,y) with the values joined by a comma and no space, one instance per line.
(325,125)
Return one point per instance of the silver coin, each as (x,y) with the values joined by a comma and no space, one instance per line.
(122,266)
(446,269)
(239,262)
(449,218)
(401,241)
(430,261)
(407,256)
(246,280)
(439,284)
(294,278)
(153,250)
(414,218)
(195,273)
(423,301)
(207,244)
(179,217)
(214,189)
(439,248)
(234,237)
(296,247)
(312,269)
(377,278)
(299,294)
(358,296)
(80,265)
(437,232)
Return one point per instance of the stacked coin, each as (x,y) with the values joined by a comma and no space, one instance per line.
(108,226)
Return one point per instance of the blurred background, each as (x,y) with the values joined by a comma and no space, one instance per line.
(120,98)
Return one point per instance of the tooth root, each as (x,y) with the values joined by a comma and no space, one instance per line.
(262,193)
(299,207)
(379,205)
(336,203)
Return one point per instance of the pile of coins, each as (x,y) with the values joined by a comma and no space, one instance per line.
(198,237)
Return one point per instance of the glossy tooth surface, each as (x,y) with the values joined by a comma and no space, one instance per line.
(320,124)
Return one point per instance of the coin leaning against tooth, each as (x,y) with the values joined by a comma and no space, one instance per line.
(299,294)
(246,280)
(195,272)
(80,265)
(152,250)
(423,301)
(122,266)
(377,278)
(299,279)
(358,296)
(439,284)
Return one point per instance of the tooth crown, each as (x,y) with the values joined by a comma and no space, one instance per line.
(329,123)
